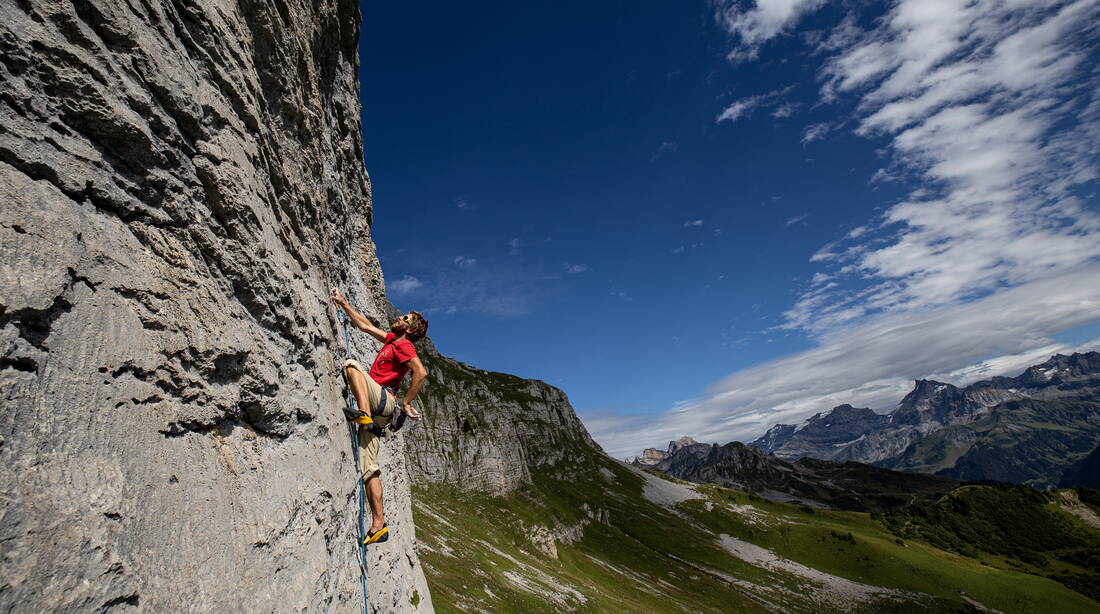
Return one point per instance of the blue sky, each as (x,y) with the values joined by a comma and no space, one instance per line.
(706,218)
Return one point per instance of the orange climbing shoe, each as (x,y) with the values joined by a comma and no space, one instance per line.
(362,419)
(378,536)
(356,415)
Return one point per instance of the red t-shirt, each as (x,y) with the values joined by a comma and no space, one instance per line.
(391,363)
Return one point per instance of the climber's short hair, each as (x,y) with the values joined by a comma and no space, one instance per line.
(418,327)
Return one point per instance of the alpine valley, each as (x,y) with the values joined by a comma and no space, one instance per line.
(518,510)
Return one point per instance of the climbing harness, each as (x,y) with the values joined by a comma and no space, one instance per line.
(358,472)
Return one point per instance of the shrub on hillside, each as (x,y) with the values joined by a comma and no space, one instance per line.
(1011,521)
(1091,496)
(1006,520)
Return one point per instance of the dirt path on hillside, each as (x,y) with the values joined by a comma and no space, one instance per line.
(1071,503)
(663,492)
(835,590)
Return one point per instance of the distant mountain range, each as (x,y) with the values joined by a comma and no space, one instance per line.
(848,486)
(1028,429)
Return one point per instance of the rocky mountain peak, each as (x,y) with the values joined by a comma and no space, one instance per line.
(925,389)
(936,412)
(844,414)
(682,442)
(929,401)
(1061,367)
(650,457)
(775,437)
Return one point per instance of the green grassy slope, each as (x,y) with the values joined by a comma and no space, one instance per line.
(1016,527)
(615,550)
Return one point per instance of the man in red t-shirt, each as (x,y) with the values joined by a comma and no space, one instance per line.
(377,386)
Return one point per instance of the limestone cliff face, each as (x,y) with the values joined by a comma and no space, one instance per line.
(488,431)
(180,184)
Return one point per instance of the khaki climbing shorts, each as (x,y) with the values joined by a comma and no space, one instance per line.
(368,441)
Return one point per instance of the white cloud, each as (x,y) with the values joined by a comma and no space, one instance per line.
(754,23)
(785,110)
(573,269)
(745,106)
(406,285)
(874,365)
(513,247)
(693,223)
(465,262)
(677,250)
(990,110)
(461,203)
(796,219)
(815,132)
(882,175)
(738,109)
(993,111)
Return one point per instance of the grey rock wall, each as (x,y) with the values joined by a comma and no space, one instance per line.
(180,184)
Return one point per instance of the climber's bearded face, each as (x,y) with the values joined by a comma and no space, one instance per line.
(399,327)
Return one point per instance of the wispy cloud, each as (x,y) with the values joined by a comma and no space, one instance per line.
(785,110)
(693,223)
(991,112)
(462,203)
(796,219)
(666,147)
(573,269)
(764,20)
(745,106)
(991,109)
(677,250)
(994,110)
(815,132)
(465,262)
(406,285)
(874,366)
(738,109)
(513,246)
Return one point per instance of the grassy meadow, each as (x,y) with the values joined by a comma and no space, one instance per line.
(584,537)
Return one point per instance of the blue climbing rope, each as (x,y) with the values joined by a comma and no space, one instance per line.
(358,477)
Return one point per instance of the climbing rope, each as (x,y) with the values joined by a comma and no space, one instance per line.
(358,476)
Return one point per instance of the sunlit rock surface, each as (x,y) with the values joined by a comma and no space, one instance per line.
(181,184)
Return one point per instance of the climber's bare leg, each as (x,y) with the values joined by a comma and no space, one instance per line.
(358,383)
(374,497)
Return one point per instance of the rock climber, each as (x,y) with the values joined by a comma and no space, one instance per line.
(396,358)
